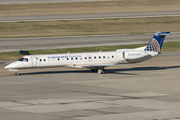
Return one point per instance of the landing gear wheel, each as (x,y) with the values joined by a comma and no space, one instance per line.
(101,71)
(94,70)
(17,74)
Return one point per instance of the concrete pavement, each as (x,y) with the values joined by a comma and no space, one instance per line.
(143,91)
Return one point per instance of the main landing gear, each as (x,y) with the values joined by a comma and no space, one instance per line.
(99,70)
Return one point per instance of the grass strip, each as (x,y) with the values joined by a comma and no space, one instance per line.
(169,46)
(89,27)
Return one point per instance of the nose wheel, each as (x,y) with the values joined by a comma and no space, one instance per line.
(17,74)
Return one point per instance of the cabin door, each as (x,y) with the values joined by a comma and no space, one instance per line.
(34,61)
(89,58)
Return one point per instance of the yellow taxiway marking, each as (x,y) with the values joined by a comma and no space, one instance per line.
(41,75)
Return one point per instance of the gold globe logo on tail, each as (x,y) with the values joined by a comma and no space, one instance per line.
(153,46)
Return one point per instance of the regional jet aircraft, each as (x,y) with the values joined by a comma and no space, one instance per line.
(95,61)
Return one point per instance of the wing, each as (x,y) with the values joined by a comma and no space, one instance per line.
(99,66)
(91,66)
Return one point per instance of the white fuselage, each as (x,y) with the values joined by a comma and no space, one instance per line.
(81,60)
(96,61)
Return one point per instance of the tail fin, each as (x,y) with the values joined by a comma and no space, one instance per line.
(156,42)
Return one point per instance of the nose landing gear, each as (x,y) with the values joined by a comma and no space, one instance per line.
(16,73)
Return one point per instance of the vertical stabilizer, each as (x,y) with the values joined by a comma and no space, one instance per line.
(156,42)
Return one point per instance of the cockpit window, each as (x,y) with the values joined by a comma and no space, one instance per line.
(24,59)
(21,59)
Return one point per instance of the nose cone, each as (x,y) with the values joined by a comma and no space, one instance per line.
(7,67)
(11,66)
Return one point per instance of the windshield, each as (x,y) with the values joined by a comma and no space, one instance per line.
(23,59)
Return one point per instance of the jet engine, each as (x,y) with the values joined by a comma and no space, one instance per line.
(134,56)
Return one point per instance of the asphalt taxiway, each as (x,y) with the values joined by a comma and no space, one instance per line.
(16,44)
(89,16)
(43,1)
(142,91)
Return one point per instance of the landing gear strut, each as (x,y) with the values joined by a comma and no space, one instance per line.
(94,70)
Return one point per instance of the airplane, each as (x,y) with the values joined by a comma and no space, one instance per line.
(95,61)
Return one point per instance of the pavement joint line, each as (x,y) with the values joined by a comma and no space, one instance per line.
(167,118)
(101,111)
(125,97)
(64,103)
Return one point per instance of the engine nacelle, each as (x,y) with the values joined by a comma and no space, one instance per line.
(133,55)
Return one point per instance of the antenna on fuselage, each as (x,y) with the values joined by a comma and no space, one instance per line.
(23,52)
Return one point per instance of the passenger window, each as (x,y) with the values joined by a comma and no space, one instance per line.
(67,58)
(113,56)
(40,60)
(76,58)
(99,57)
(103,56)
(80,58)
(44,59)
(89,57)
(58,59)
(71,58)
(94,57)
(85,58)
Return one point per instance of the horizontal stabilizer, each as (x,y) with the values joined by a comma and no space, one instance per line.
(162,33)
(23,52)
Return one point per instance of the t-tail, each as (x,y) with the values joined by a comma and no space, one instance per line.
(156,42)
